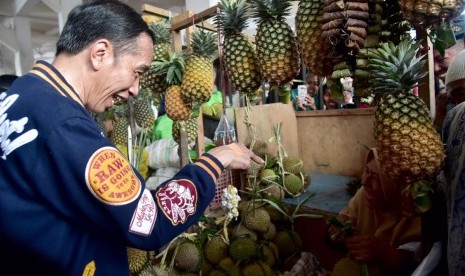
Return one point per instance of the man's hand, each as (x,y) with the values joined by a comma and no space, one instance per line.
(235,156)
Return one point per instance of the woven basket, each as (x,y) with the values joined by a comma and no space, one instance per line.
(232,177)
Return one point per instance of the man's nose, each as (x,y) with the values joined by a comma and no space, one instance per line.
(134,88)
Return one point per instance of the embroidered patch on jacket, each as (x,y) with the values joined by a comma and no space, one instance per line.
(110,177)
(145,215)
(178,200)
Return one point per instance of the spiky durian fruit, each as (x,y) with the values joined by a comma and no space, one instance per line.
(138,260)
(188,257)
(257,268)
(143,113)
(293,184)
(308,23)
(288,242)
(277,51)
(151,79)
(242,248)
(258,220)
(292,164)
(347,266)
(197,83)
(410,149)
(241,230)
(238,52)
(268,176)
(216,249)
(260,148)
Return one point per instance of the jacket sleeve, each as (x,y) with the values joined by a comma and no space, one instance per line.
(86,180)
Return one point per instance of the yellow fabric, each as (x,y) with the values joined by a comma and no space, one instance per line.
(143,167)
(388,224)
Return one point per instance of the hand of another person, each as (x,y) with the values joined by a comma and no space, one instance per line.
(310,101)
(300,104)
(235,156)
(339,233)
(365,248)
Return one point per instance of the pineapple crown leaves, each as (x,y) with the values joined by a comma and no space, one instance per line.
(173,68)
(265,10)
(232,18)
(204,43)
(161,31)
(396,68)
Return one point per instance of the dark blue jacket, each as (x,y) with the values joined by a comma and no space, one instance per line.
(68,198)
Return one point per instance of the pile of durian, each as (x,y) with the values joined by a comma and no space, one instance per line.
(261,240)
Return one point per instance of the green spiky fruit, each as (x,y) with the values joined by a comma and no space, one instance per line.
(242,231)
(346,266)
(288,242)
(260,148)
(258,220)
(268,176)
(293,184)
(242,248)
(257,269)
(270,233)
(217,272)
(188,257)
(254,169)
(292,164)
(215,250)
(268,254)
(138,260)
(274,190)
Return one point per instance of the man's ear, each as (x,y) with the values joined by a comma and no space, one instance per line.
(100,52)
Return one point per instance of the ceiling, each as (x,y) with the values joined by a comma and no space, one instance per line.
(43,18)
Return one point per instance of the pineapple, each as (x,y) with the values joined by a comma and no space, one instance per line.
(119,134)
(175,106)
(410,149)
(162,45)
(190,126)
(427,13)
(277,50)
(197,83)
(308,23)
(143,113)
(238,52)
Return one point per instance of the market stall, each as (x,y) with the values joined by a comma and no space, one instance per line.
(311,156)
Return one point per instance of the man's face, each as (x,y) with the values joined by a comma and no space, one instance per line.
(372,183)
(120,76)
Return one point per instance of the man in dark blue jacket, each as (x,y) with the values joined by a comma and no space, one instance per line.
(70,202)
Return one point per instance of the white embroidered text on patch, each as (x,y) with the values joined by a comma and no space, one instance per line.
(145,215)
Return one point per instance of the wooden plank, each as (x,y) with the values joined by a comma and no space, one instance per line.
(337,142)
(180,24)
(152,10)
(265,117)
